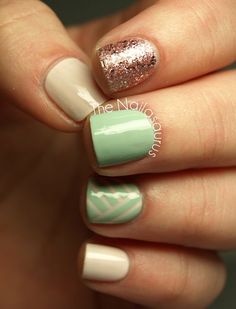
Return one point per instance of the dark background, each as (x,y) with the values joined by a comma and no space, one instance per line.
(77,11)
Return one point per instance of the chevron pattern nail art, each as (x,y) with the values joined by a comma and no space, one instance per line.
(112,202)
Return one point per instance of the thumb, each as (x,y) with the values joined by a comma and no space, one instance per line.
(42,70)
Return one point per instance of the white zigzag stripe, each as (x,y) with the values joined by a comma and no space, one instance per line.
(110,211)
(90,204)
(125,213)
(102,198)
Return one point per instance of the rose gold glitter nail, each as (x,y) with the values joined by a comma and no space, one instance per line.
(127,63)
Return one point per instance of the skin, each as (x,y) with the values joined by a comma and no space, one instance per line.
(43,171)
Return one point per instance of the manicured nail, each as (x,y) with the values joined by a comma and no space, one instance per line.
(121,136)
(127,63)
(112,201)
(70,85)
(104,263)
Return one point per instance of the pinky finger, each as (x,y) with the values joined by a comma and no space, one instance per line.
(152,275)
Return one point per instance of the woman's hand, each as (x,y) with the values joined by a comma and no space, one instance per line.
(187,130)
(43,72)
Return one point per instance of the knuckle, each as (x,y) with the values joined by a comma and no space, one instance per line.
(204,17)
(177,285)
(13,12)
(192,280)
(198,215)
(210,124)
(204,219)
(20,23)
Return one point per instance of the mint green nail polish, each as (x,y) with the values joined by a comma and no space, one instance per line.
(121,136)
(112,202)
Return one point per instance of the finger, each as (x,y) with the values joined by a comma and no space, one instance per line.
(187,126)
(195,209)
(166,44)
(152,275)
(42,70)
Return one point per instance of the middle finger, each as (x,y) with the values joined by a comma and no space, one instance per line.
(187,126)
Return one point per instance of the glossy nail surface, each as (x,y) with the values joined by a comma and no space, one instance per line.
(104,263)
(112,201)
(121,136)
(70,85)
(127,63)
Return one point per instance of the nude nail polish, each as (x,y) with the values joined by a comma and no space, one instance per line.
(104,263)
(70,85)
(127,63)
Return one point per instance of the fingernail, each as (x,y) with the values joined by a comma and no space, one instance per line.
(104,263)
(70,85)
(112,201)
(127,63)
(121,136)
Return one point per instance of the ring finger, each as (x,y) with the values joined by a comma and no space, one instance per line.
(191,208)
